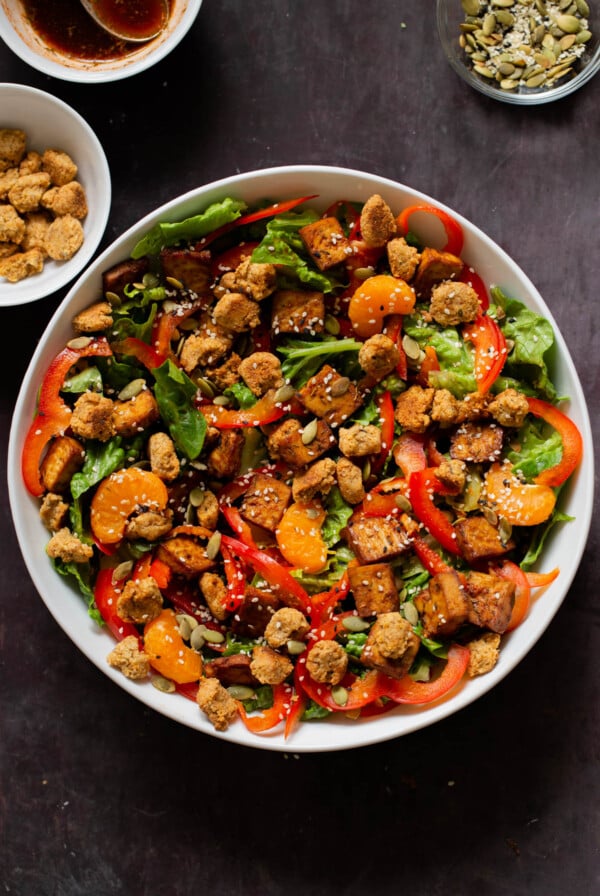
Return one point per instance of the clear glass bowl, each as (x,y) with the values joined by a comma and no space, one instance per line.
(451,15)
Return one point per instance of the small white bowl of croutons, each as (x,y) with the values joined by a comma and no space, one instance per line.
(55,194)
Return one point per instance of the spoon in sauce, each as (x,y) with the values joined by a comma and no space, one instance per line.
(132,20)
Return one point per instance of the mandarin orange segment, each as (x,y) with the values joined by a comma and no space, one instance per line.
(517,502)
(299,536)
(119,496)
(168,653)
(376,298)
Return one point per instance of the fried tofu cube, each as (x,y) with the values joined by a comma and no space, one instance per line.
(225,458)
(477,539)
(231,670)
(374,589)
(298,311)
(434,267)
(254,613)
(326,242)
(477,442)
(189,266)
(265,501)
(285,443)
(63,459)
(115,279)
(491,601)
(330,396)
(373,539)
(443,606)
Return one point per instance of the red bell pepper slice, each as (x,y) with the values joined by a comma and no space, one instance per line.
(472,279)
(385,406)
(420,693)
(454,233)
(167,322)
(541,579)
(325,603)
(235,575)
(106,596)
(268,718)
(361,691)
(393,330)
(266,410)
(572,443)
(144,353)
(53,414)
(298,703)
(230,259)
(429,364)
(277,209)
(431,560)
(289,589)
(490,350)
(422,485)
(409,453)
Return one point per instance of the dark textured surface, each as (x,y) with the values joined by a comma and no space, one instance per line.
(99,795)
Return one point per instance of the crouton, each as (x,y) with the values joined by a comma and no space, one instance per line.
(413,408)
(360,440)
(92,417)
(391,645)
(402,259)
(136,414)
(67,547)
(185,552)
(446,409)
(377,222)
(453,303)
(224,460)
(69,199)
(286,625)
(27,191)
(127,657)
(163,457)
(64,238)
(7,179)
(214,592)
(13,142)
(453,474)
(59,165)
(214,700)
(270,667)
(226,374)
(256,280)
(509,408)
(298,311)
(140,601)
(53,511)
(484,654)
(150,525)
(350,481)
(374,589)
(261,371)
(207,509)
(95,319)
(236,313)
(318,479)
(378,356)
(326,243)
(327,662)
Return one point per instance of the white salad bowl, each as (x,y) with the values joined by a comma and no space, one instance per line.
(563,549)
(51,124)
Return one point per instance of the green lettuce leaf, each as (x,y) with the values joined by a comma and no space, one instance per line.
(534,448)
(167,234)
(303,358)
(338,514)
(174,393)
(101,459)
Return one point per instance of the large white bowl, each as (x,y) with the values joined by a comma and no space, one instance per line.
(564,548)
(51,124)
(17,33)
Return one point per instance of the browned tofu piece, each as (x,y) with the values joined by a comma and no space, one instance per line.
(64,457)
(318,479)
(373,588)
(185,552)
(115,279)
(434,267)
(373,538)
(477,539)
(326,243)
(330,396)
(491,601)
(265,501)
(136,414)
(254,613)
(285,443)
(189,266)
(298,311)
(477,443)
(391,645)
(443,606)
(224,460)
(231,670)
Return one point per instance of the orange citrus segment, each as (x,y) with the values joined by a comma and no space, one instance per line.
(120,495)
(519,503)
(376,298)
(168,652)
(299,536)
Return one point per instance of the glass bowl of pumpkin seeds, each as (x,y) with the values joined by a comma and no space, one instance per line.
(521,51)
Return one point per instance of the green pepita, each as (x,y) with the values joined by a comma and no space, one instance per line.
(568,24)
(340,695)
(132,389)
(355,624)
(165,685)
(241,692)
(309,432)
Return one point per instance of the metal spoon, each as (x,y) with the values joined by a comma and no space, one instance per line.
(109,14)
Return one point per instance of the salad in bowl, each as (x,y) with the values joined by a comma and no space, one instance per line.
(304,463)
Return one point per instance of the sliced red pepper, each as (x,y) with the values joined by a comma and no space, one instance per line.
(266,410)
(490,350)
(230,259)
(422,485)
(236,579)
(298,703)
(431,560)
(106,596)
(325,603)
(239,525)
(160,572)
(385,407)
(53,414)
(513,573)
(454,232)
(277,209)
(472,279)
(420,693)
(289,589)
(430,364)
(572,443)
(541,579)
(360,691)
(167,323)
(393,330)
(409,453)
(189,690)
(140,350)
(268,718)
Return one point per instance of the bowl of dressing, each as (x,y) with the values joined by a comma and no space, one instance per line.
(63,40)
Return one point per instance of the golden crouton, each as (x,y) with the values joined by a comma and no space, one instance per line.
(12,145)
(36,231)
(129,659)
(214,700)
(64,238)
(27,191)
(69,199)
(12,226)
(60,166)
(377,222)
(22,264)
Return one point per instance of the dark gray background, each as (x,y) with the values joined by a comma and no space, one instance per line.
(100,795)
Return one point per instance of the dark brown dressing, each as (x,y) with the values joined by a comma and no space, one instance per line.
(65,26)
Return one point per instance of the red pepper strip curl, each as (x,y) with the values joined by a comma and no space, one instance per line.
(106,595)
(167,323)
(53,414)
(472,279)
(277,209)
(490,350)
(235,574)
(393,330)
(422,485)
(385,407)
(266,410)
(454,233)
(572,443)
(144,353)
(269,718)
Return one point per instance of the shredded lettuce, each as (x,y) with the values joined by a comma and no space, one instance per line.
(303,358)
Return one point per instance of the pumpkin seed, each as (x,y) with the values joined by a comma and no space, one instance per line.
(567,41)
(139,286)
(169,306)
(479,57)
(340,387)
(206,387)
(410,612)
(541,7)
(132,389)
(295,648)
(364,273)
(483,70)
(504,531)
(309,432)
(221,401)
(403,503)
(471,7)
(213,545)
(284,393)
(340,695)
(332,325)
(582,8)
(583,36)
(241,692)
(503,4)
(112,297)
(213,637)
(411,347)
(491,516)
(79,342)
(165,685)
(564,5)
(508,83)
(536,80)
(150,280)
(504,17)
(312,513)
(355,624)
(366,471)
(188,325)
(197,639)
(506,69)
(184,626)
(489,24)
(174,282)
(568,24)
(122,571)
